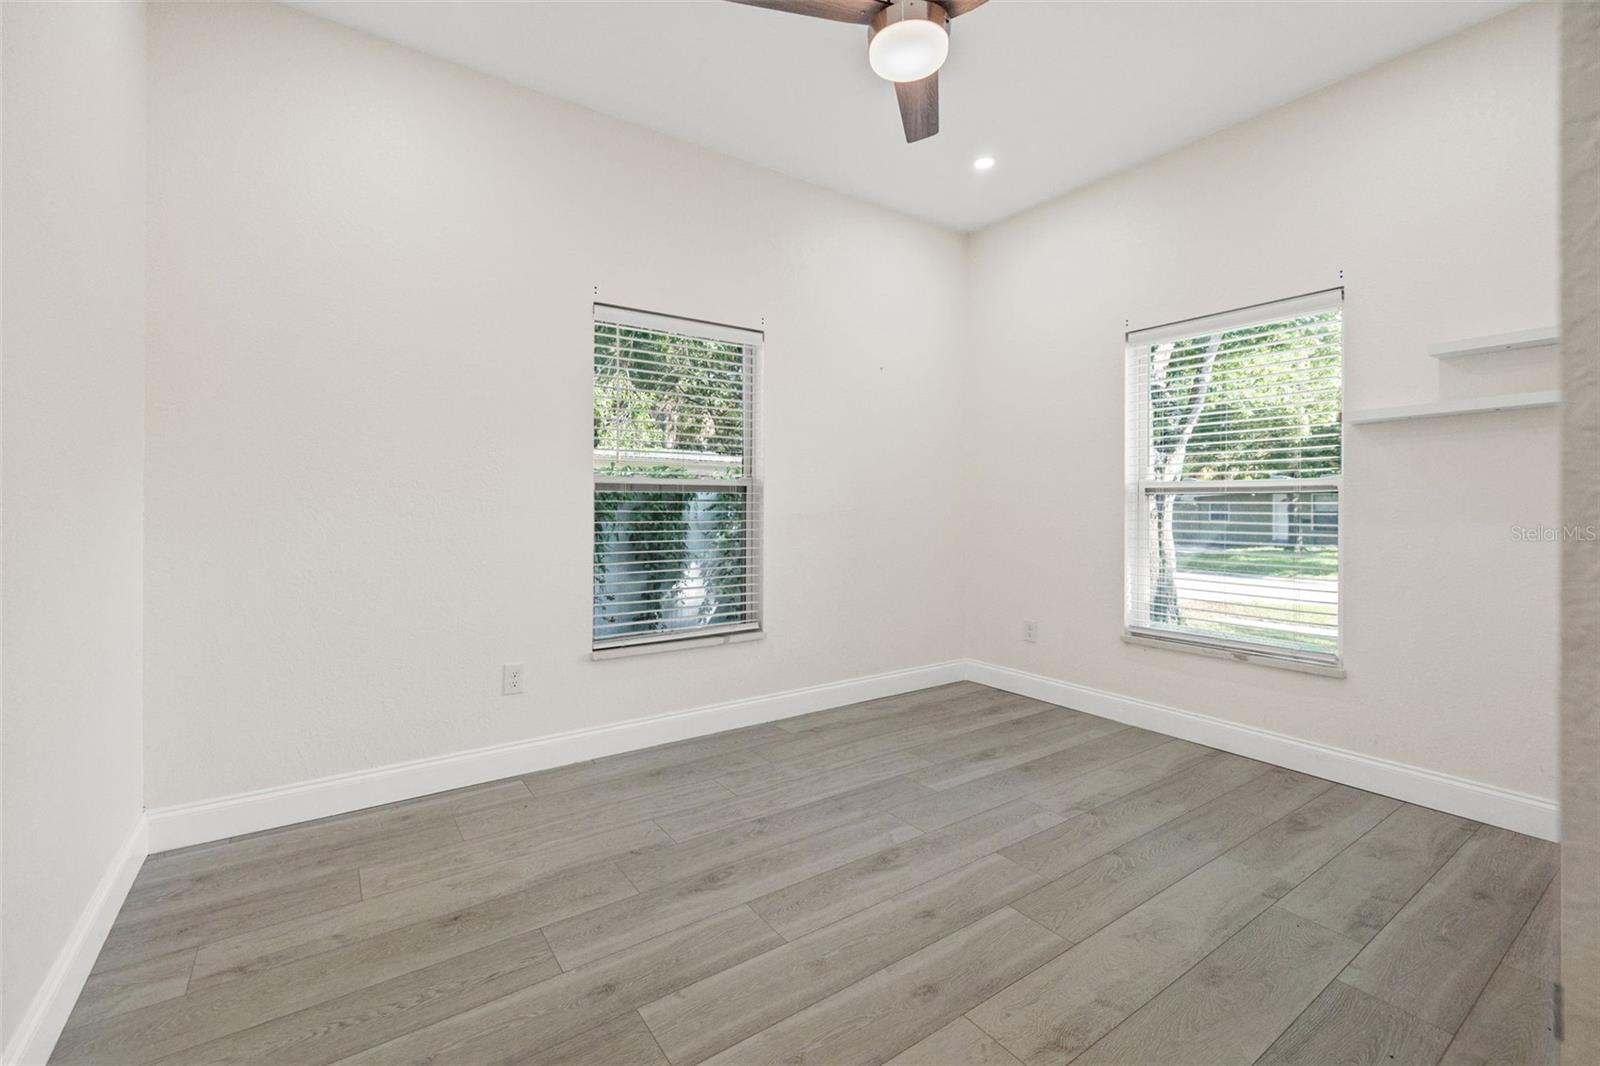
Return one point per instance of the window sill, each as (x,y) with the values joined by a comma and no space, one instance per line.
(1241,655)
(628,651)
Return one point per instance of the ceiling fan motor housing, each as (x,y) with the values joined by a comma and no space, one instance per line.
(900,11)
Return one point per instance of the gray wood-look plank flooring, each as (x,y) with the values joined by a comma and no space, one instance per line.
(958,875)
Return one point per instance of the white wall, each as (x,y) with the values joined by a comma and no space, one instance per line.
(369,366)
(71,436)
(369,402)
(1431,183)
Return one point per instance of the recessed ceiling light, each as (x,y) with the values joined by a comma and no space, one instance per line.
(983,162)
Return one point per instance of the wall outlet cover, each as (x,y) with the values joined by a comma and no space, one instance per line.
(511,679)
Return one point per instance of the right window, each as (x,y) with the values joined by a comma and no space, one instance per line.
(1234,467)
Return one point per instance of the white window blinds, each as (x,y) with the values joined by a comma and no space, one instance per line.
(677,513)
(1233,474)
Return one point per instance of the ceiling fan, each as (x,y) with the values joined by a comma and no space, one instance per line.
(907,41)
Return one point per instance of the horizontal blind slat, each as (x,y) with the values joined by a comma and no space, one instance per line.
(1234,469)
(1293,309)
(677,524)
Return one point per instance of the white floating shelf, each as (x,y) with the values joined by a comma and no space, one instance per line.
(1509,401)
(1500,342)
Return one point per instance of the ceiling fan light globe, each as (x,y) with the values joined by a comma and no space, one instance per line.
(909,50)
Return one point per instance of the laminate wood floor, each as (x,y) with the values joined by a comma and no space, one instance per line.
(957,875)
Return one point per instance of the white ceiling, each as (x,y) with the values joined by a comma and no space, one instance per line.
(1059,93)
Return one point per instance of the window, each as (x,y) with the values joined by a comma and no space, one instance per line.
(677,503)
(1234,468)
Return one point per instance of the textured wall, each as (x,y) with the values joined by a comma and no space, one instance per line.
(1580,510)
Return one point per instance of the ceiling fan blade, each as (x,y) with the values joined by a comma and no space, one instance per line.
(860,11)
(919,107)
(960,7)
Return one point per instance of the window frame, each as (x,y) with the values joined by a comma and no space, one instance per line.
(750,483)
(1139,486)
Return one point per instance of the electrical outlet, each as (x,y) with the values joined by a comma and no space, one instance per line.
(1030,632)
(511,679)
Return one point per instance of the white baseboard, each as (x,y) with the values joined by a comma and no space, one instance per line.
(36,1034)
(196,823)
(1516,811)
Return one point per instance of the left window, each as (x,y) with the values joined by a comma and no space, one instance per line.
(677,491)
